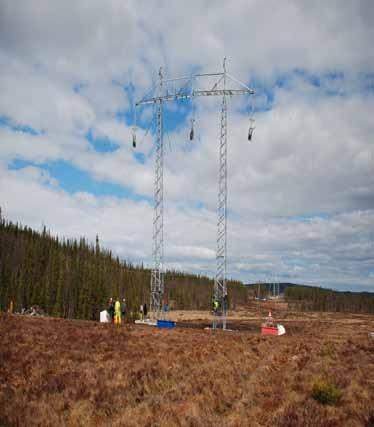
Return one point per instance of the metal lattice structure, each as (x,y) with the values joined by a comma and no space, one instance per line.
(220,286)
(157,273)
(185,88)
(274,289)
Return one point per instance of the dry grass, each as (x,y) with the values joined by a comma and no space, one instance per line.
(75,373)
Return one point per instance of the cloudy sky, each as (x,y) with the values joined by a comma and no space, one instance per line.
(301,195)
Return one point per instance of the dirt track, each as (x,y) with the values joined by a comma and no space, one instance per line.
(59,372)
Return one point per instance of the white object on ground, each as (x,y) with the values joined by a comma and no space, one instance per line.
(148,322)
(281,329)
(104,316)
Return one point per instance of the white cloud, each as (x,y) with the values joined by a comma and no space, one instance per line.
(43,101)
(333,252)
(311,153)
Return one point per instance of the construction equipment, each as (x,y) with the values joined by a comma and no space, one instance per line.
(187,88)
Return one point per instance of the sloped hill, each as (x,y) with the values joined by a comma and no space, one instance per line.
(74,278)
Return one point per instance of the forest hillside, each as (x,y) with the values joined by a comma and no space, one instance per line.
(73,279)
(308,298)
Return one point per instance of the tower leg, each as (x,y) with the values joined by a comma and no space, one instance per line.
(157,274)
(220,286)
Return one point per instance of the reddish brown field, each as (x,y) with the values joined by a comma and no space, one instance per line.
(74,373)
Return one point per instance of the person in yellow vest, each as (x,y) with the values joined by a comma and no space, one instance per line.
(215,306)
(117,312)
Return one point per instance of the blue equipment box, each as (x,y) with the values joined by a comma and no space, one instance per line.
(165,324)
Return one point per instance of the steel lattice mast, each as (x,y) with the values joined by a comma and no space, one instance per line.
(220,287)
(185,92)
(157,274)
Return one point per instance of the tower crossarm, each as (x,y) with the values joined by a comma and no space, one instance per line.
(221,92)
(182,96)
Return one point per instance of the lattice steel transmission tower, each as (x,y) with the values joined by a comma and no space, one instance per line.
(157,273)
(186,88)
(220,286)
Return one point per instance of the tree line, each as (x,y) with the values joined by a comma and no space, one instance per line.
(73,278)
(306,298)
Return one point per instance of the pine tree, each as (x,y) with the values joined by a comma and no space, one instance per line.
(58,305)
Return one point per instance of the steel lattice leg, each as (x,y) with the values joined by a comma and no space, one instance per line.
(220,288)
(157,274)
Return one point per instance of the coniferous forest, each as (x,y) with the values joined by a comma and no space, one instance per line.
(74,279)
(307,298)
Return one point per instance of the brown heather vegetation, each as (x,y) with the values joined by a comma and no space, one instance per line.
(56,372)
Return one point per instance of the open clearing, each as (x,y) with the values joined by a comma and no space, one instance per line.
(77,373)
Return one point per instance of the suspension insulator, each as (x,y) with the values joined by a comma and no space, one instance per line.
(251,128)
(134,140)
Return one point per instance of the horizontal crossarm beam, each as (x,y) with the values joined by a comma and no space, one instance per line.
(221,92)
(215,92)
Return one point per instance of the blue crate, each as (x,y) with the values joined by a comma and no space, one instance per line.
(165,324)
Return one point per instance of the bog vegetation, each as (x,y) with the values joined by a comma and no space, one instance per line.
(326,393)
(73,279)
(58,372)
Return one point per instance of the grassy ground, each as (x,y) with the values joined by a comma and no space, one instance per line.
(75,373)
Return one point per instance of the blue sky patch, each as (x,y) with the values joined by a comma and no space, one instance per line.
(101,144)
(311,216)
(175,115)
(367,80)
(17,127)
(73,180)
(125,116)
(199,204)
(139,157)
(312,79)
(329,83)
(79,86)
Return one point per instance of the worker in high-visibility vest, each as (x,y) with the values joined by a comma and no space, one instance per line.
(117,312)
(215,305)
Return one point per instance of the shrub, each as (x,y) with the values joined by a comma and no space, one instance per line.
(328,351)
(325,393)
